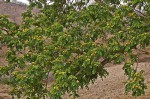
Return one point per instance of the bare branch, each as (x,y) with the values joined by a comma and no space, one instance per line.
(4,30)
(139,13)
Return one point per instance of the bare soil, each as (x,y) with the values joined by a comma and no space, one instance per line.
(111,87)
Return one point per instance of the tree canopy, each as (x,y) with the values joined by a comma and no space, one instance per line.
(73,40)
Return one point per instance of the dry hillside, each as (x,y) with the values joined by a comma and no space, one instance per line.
(12,10)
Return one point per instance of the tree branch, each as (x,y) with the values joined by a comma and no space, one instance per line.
(4,30)
(139,13)
(105,61)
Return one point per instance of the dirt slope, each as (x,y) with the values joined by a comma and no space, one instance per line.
(113,86)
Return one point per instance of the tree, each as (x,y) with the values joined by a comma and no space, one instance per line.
(74,42)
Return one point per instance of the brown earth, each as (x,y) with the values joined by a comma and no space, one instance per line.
(112,87)
(13,11)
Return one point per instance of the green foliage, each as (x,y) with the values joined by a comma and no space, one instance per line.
(135,82)
(74,42)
